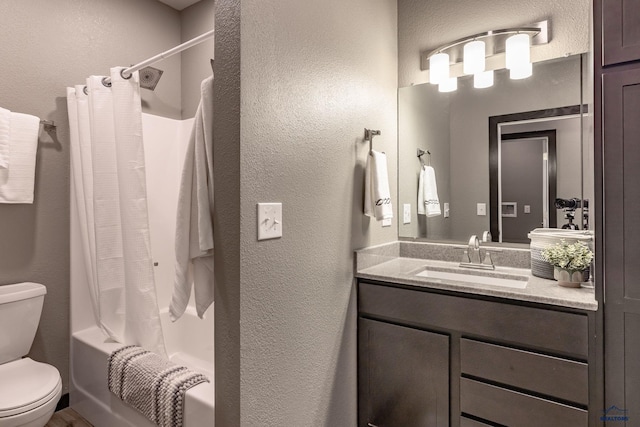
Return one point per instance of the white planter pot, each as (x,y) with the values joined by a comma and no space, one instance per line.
(569,279)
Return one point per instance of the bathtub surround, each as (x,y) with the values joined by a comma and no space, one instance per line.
(189,341)
(194,224)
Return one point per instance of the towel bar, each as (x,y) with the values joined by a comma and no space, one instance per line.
(48,123)
(368,136)
(421,153)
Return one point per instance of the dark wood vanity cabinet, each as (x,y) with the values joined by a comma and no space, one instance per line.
(617,148)
(404,376)
(430,358)
(620,31)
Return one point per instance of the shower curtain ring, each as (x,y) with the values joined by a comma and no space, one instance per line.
(106,82)
(85,90)
(123,76)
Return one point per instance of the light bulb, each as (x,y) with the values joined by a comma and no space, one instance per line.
(521,72)
(439,68)
(517,51)
(483,79)
(449,85)
(474,57)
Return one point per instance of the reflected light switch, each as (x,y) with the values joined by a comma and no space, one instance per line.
(406,213)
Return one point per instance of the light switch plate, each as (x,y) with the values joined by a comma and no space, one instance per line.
(269,221)
(482,209)
(527,209)
(447,212)
(407,213)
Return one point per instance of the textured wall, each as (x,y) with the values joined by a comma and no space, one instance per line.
(426,24)
(195,20)
(46,46)
(423,123)
(313,75)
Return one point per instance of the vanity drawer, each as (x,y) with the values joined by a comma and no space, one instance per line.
(507,407)
(537,328)
(552,376)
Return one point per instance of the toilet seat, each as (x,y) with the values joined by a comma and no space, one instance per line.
(26,386)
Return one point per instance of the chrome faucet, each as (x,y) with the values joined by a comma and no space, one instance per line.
(472,257)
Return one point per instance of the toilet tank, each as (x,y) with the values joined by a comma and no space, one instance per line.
(20,309)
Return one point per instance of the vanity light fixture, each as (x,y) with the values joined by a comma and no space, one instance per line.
(448,85)
(439,66)
(518,56)
(521,72)
(474,55)
(483,80)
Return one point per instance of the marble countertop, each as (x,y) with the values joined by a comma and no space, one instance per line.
(403,270)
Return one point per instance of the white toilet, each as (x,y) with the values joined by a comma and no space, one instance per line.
(29,390)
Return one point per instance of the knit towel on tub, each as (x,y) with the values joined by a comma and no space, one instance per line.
(151,384)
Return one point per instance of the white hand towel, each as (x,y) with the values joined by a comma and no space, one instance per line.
(5,128)
(421,207)
(428,202)
(377,198)
(17,181)
(194,227)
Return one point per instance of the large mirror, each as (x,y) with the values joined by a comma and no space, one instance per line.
(506,159)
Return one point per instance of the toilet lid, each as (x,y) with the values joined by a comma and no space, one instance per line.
(26,384)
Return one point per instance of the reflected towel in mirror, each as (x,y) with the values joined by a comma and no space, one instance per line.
(428,202)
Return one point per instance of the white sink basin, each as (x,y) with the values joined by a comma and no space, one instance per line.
(519,282)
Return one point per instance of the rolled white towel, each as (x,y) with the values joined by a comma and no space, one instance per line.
(377,197)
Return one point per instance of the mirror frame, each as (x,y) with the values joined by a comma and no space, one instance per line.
(494,141)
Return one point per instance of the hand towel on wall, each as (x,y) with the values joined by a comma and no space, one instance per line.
(5,127)
(194,225)
(428,202)
(377,198)
(17,181)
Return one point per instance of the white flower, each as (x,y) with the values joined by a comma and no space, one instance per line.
(572,257)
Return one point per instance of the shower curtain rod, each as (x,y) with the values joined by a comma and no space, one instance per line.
(126,73)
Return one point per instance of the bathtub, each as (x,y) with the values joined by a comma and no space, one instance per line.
(90,350)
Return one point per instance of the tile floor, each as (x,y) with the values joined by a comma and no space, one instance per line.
(67,418)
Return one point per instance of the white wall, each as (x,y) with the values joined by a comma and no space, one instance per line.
(299,80)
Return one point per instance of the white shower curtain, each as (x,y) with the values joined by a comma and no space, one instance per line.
(108,172)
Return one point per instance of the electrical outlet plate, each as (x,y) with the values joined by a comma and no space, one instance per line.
(269,221)
(447,212)
(407,213)
(386,222)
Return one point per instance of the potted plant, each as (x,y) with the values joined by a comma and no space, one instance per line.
(570,262)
